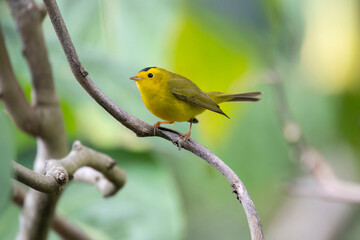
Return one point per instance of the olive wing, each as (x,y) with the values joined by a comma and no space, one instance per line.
(188,91)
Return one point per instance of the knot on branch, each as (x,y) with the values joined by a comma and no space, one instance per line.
(110,163)
(235,190)
(61,177)
(239,190)
(59,174)
(77,146)
(83,71)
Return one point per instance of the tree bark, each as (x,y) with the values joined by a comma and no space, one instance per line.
(38,207)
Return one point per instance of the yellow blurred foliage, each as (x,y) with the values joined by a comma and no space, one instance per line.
(214,66)
(330,50)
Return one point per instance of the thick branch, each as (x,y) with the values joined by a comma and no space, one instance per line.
(28,17)
(61,225)
(34,48)
(38,207)
(12,95)
(142,129)
(58,171)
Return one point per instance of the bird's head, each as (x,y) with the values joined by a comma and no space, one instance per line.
(150,74)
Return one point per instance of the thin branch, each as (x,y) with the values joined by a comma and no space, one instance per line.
(96,178)
(61,225)
(338,191)
(68,230)
(58,171)
(39,182)
(330,186)
(142,129)
(11,94)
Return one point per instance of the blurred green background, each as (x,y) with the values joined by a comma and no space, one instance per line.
(225,46)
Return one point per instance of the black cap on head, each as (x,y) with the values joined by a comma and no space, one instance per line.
(146,69)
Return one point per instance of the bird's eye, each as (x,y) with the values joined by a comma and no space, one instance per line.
(150,75)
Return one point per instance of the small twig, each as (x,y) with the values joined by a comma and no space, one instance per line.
(58,171)
(329,185)
(142,129)
(96,178)
(340,191)
(68,230)
(61,225)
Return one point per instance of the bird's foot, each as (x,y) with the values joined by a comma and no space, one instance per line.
(157,125)
(186,136)
(179,141)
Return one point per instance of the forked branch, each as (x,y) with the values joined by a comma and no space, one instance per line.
(58,172)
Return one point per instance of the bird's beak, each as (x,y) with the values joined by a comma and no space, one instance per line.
(135,78)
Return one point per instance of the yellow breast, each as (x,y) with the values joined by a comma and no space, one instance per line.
(162,103)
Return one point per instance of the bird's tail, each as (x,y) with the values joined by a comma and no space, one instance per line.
(219,97)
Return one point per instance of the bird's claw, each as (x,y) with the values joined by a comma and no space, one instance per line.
(186,136)
(156,127)
(179,142)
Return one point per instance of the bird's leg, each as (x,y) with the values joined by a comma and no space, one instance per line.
(187,135)
(157,125)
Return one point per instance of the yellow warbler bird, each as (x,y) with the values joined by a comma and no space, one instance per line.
(175,98)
